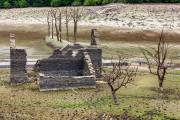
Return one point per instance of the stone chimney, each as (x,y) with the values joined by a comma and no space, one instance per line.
(94,38)
(12,41)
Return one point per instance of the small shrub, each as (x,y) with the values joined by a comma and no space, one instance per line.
(22,3)
(6,4)
(106,1)
(92,2)
(77,2)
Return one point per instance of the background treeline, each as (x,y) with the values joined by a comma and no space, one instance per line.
(56,3)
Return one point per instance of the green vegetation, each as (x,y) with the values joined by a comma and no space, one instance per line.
(56,3)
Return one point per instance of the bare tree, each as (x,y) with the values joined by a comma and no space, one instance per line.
(56,21)
(48,22)
(54,14)
(67,19)
(60,25)
(52,25)
(119,76)
(157,59)
(76,14)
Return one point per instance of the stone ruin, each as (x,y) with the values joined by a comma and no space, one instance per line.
(71,67)
(74,66)
(18,66)
(18,73)
(94,37)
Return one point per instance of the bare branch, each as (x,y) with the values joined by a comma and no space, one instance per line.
(76,14)
(119,76)
(158,59)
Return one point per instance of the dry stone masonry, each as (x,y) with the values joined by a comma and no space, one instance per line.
(94,37)
(18,66)
(88,66)
(17,63)
(73,66)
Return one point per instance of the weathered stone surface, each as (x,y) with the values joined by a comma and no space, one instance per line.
(94,38)
(96,58)
(66,82)
(57,54)
(73,66)
(18,66)
(64,65)
(71,47)
(88,66)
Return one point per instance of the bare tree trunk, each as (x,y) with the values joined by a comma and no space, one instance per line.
(116,100)
(67,25)
(161,76)
(48,24)
(161,85)
(75,31)
(67,32)
(60,27)
(52,31)
(76,14)
(57,31)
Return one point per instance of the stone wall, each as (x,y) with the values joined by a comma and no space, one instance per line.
(66,82)
(65,60)
(88,66)
(96,58)
(61,64)
(71,67)
(18,66)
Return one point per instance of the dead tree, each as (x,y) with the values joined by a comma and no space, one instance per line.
(60,25)
(119,76)
(157,59)
(76,14)
(67,19)
(52,25)
(48,22)
(54,14)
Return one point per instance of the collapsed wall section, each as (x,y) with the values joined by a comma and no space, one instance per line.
(65,71)
(94,51)
(88,66)
(60,65)
(96,59)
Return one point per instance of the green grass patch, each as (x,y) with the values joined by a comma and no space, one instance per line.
(139,100)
